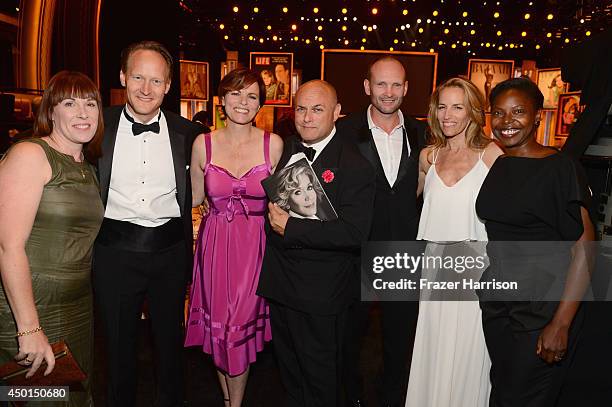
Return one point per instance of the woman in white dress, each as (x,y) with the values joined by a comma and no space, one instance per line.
(450,363)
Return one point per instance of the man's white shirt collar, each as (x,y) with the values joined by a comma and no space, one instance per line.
(320,145)
(372,125)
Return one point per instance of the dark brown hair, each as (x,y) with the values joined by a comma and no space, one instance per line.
(148,46)
(64,85)
(241,78)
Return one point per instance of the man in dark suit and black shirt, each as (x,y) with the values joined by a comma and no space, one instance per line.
(144,249)
(391,142)
(308,270)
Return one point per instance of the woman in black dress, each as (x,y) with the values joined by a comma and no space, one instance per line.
(532,194)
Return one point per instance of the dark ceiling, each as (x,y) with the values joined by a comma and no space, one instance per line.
(457,30)
(9,7)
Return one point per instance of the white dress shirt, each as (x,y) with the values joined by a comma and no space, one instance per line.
(389,145)
(142,185)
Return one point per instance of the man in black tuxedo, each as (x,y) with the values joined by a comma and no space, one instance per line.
(391,142)
(144,249)
(308,271)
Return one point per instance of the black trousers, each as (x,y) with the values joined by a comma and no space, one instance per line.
(398,320)
(122,281)
(307,348)
(519,377)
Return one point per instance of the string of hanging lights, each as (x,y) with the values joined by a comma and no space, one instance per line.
(498,28)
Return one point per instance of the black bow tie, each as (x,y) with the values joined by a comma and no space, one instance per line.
(309,152)
(138,128)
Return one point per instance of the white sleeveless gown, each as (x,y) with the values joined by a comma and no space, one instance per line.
(450,363)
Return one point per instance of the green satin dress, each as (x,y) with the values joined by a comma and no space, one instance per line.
(59,252)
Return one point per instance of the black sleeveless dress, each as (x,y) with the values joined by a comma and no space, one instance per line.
(528,200)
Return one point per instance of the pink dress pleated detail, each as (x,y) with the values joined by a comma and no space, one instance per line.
(226,317)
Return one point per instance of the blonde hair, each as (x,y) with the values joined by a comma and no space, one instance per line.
(475,137)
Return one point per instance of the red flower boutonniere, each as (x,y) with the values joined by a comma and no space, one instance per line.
(327,176)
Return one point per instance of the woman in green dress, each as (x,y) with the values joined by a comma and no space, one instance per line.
(50,213)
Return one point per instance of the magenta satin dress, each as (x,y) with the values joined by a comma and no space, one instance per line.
(226,317)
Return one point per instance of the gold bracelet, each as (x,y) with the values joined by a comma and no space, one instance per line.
(31,331)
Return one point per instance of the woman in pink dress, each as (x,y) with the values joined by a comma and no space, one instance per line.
(226,318)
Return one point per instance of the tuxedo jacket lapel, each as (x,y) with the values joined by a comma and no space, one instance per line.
(367,148)
(328,160)
(405,158)
(178,145)
(412,136)
(105,163)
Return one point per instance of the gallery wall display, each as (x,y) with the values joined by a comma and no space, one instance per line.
(194,80)
(550,84)
(296,80)
(486,73)
(218,114)
(346,69)
(276,70)
(189,107)
(568,112)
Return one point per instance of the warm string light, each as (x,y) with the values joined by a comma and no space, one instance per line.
(427,31)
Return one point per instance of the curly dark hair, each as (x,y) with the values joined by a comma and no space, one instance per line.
(523,84)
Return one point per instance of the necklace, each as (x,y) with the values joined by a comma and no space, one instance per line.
(82,166)
(81,163)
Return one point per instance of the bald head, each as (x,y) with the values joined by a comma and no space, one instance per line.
(386,62)
(316,110)
(319,86)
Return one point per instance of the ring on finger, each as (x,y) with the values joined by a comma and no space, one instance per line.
(27,360)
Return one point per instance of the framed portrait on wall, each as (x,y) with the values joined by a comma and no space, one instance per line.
(568,112)
(347,68)
(296,81)
(550,84)
(218,121)
(194,80)
(486,73)
(276,70)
